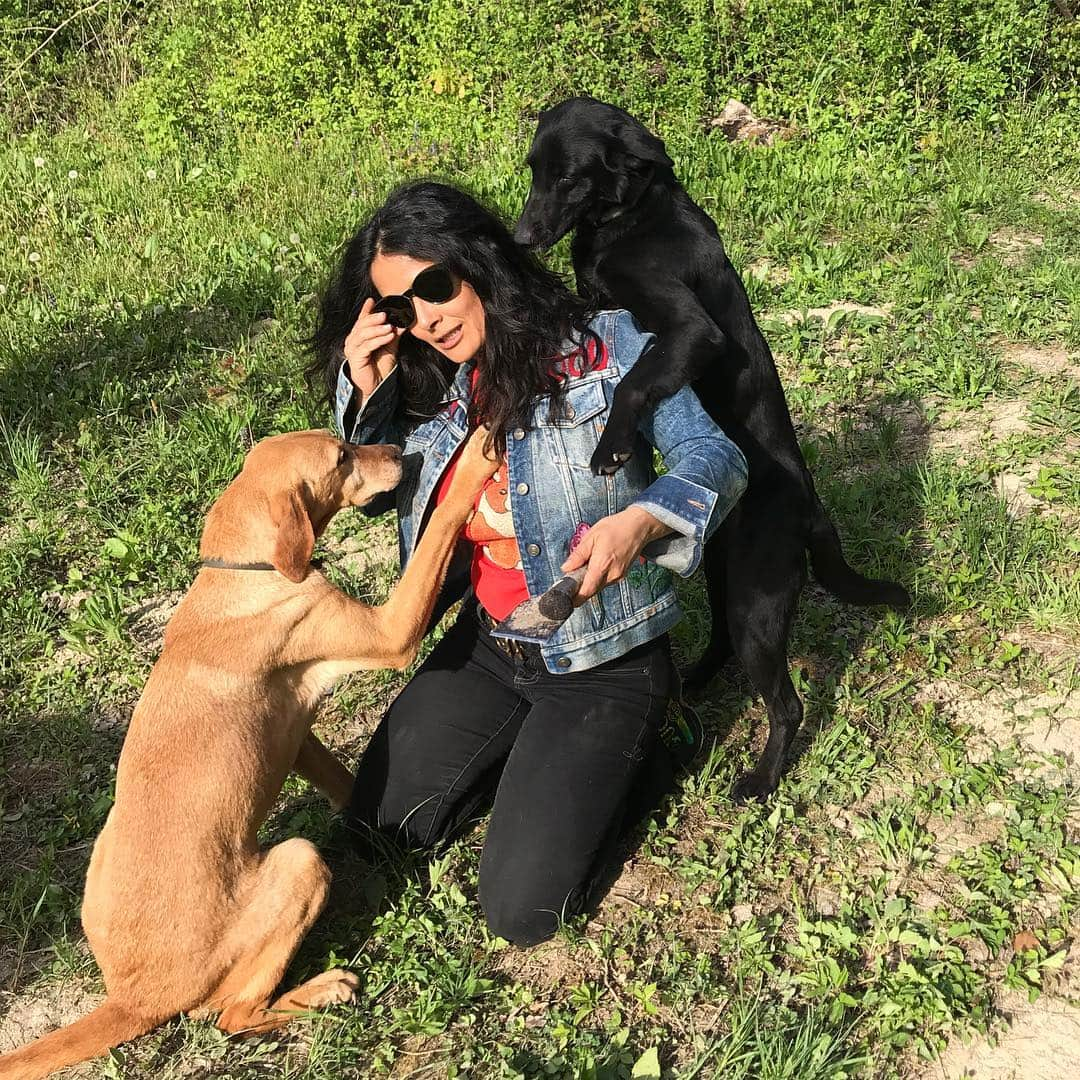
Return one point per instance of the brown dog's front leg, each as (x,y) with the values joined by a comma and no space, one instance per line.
(340,628)
(317,764)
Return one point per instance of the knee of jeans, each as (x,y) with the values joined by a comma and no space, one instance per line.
(520,926)
(406,826)
(521,920)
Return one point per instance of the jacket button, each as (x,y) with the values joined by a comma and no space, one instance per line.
(563,662)
(519,434)
(533,549)
(570,413)
(523,488)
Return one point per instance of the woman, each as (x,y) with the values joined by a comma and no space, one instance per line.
(438,321)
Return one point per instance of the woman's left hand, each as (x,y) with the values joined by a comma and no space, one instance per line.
(611,547)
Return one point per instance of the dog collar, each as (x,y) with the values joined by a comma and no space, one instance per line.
(224,564)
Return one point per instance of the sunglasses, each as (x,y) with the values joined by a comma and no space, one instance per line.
(436,285)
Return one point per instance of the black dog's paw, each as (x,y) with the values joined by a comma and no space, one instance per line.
(602,467)
(754,786)
(898,597)
(616,446)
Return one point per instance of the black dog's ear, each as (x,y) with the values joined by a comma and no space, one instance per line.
(630,157)
(634,140)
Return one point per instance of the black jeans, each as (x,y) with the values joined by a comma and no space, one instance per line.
(564,755)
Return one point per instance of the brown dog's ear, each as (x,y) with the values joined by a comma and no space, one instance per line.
(295,536)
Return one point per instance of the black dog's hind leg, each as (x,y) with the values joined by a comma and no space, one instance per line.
(699,674)
(764,583)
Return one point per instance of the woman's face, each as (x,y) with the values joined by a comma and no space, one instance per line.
(455,328)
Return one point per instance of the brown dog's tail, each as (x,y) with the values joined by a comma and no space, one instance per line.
(107,1026)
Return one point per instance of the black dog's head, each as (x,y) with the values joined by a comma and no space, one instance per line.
(588,160)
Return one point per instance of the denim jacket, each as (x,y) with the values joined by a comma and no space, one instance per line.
(552,490)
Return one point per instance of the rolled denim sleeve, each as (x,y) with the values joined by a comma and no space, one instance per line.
(375,417)
(706,472)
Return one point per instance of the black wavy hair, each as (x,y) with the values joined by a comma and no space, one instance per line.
(529,312)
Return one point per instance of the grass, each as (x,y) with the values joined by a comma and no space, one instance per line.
(150,309)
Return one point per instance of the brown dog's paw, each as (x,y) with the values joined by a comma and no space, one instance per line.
(335,987)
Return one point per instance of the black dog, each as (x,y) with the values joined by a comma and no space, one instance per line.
(641,243)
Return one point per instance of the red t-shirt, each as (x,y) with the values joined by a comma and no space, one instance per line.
(497,577)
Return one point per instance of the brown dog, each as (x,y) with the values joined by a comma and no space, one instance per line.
(182,909)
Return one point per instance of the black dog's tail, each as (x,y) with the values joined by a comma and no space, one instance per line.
(832,570)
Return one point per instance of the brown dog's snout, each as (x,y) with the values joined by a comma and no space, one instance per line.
(390,456)
(379,468)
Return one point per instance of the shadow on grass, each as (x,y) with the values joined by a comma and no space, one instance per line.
(867,478)
(139,361)
(56,781)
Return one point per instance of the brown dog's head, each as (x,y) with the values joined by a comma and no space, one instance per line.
(588,160)
(287,492)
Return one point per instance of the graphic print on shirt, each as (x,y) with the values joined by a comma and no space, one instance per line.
(492,526)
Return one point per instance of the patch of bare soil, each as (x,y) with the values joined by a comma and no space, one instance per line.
(1014,246)
(67,603)
(640,886)
(913,431)
(546,968)
(1057,652)
(37,778)
(1049,361)
(910,431)
(1041,1042)
(953,836)
(36,1012)
(769,272)
(1043,723)
(849,307)
(418,1054)
(963,432)
(1012,490)
(147,621)
(1061,199)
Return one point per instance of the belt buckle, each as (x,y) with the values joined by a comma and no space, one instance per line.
(508,646)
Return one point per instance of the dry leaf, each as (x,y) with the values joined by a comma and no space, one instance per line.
(1024,940)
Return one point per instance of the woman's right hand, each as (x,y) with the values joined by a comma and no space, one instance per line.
(371,348)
